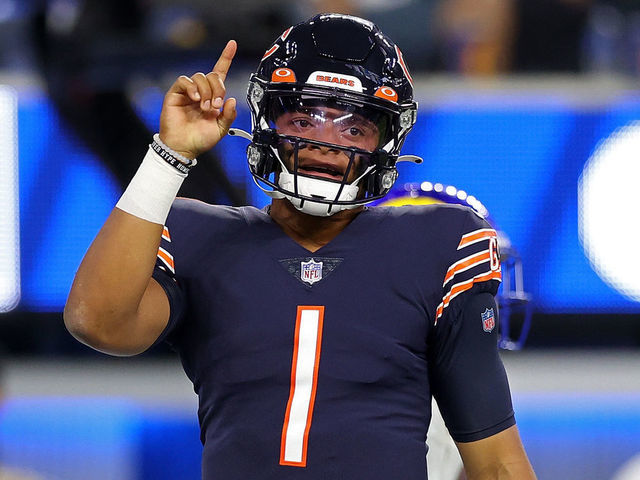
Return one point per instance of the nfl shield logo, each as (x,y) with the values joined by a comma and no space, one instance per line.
(488,320)
(311,271)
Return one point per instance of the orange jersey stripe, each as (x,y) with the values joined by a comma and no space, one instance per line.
(465,264)
(477,236)
(167,259)
(458,288)
(165,234)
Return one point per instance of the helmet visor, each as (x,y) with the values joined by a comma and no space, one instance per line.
(330,121)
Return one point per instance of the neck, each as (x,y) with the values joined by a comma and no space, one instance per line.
(310,231)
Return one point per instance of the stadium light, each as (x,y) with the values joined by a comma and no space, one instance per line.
(9,220)
(608,210)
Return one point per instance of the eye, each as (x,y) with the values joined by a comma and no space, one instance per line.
(354,131)
(302,123)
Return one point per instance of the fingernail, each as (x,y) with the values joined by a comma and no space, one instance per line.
(217,103)
(206,105)
(196,95)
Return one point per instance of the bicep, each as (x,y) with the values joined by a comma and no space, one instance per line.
(144,328)
(467,376)
(161,309)
(153,313)
(498,456)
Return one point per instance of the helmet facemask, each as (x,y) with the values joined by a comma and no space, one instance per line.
(325,148)
(331,104)
(324,151)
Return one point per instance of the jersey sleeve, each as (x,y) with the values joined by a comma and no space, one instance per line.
(164,273)
(467,376)
(473,265)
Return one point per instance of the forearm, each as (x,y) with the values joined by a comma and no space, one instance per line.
(499,457)
(114,306)
(516,470)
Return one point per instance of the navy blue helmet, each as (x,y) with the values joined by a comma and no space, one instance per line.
(339,68)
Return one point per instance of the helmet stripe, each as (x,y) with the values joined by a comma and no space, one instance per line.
(270,52)
(286,34)
(403,65)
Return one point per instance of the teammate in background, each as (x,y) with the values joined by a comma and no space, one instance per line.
(315,331)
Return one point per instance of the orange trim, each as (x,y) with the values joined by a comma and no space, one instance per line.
(458,288)
(283,75)
(165,234)
(404,66)
(387,93)
(466,263)
(286,34)
(270,52)
(314,386)
(292,390)
(167,258)
(476,236)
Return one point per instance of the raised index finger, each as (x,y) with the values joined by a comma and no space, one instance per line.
(224,62)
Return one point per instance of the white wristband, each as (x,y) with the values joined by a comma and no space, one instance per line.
(152,189)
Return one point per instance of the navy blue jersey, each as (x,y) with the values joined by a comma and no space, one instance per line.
(322,365)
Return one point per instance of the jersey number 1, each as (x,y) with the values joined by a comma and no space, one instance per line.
(304,380)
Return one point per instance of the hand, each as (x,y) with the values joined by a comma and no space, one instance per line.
(195,115)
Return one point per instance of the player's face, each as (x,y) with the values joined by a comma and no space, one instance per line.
(328,125)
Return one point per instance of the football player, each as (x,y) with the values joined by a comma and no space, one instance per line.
(316,330)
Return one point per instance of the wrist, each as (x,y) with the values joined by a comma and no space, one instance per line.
(174,158)
(153,188)
(187,154)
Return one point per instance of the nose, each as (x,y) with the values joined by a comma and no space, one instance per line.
(322,149)
(326,133)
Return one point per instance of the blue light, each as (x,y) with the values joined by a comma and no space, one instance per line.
(521,159)
(65,196)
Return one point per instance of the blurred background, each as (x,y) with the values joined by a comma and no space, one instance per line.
(532,107)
